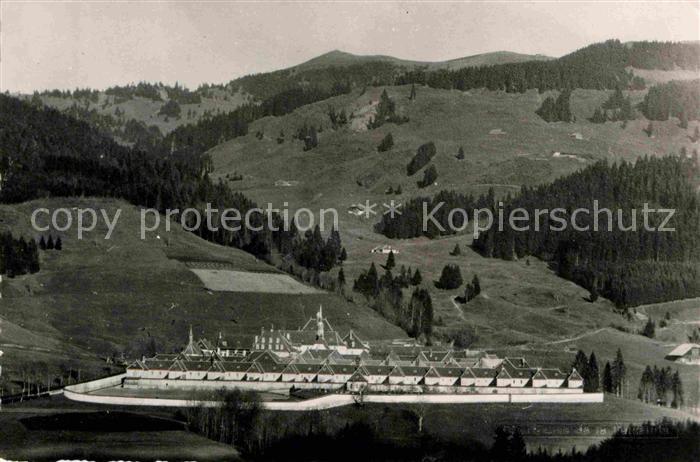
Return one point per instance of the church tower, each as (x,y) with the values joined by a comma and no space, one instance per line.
(319,323)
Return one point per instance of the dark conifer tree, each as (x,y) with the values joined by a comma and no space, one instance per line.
(619,371)
(386,143)
(341,280)
(581,365)
(450,278)
(517,447)
(677,390)
(430,174)
(49,243)
(608,381)
(598,117)
(476,285)
(390,261)
(593,382)
(417,279)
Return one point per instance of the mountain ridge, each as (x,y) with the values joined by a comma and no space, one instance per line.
(338,57)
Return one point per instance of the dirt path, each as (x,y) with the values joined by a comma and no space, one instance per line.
(578,337)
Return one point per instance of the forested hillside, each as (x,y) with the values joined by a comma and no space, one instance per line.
(598,66)
(628,266)
(207,133)
(673,99)
(46,154)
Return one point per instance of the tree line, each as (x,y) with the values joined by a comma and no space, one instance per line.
(194,139)
(628,266)
(662,386)
(679,99)
(17,255)
(598,66)
(614,376)
(385,295)
(361,434)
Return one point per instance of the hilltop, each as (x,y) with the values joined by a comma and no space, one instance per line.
(340,58)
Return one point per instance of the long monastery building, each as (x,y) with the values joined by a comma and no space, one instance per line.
(317,357)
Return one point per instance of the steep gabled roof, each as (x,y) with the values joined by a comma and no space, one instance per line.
(136,365)
(396,372)
(414,371)
(517,362)
(255,368)
(177,366)
(342,369)
(305,357)
(357,377)
(518,373)
(271,367)
(445,372)
(378,370)
(337,358)
(321,355)
(468,373)
(306,368)
(201,366)
(156,364)
(351,340)
(437,356)
(483,372)
(503,374)
(432,373)
(234,366)
(263,356)
(421,358)
(216,366)
(575,375)
(682,349)
(326,369)
(553,373)
(290,369)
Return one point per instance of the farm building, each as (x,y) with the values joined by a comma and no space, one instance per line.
(686,353)
(385,249)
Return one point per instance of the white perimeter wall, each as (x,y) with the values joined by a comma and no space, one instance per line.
(80,392)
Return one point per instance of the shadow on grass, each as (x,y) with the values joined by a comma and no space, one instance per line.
(100,422)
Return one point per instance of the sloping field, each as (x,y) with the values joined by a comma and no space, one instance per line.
(241,281)
(126,295)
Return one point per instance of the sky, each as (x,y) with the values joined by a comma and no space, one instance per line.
(69,44)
